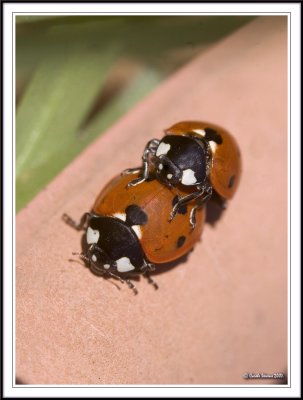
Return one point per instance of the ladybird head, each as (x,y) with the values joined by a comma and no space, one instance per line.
(96,256)
(167,171)
(180,160)
(111,246)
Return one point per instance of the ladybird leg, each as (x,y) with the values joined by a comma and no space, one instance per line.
(149,279)
(128,281)
(116,276)
(150,149)
(206,191)
(146,268)
(182,201)
(131,286)
(192,218)
(76,225)
(150,267)
(146,166)
(131,171)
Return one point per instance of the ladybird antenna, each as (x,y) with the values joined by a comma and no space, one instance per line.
(82,256)
(96,268)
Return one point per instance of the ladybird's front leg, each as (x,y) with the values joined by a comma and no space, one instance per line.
(124,280)
(150,280)
(128,282)
(149,150)
(129,171)
(131,286)
(145,269)
(192,217)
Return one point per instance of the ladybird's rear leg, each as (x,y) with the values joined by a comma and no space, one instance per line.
(77,225)
(150,149)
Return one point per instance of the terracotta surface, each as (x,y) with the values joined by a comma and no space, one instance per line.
(219,313)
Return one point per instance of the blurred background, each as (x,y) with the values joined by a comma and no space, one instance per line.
(76,75)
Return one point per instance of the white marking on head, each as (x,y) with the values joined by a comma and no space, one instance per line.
(200,132)
(124,265)
(106,266)
(94,258)
(160,167)
(188,177)
(163,148)
(169,176)
(137,229)
(92,235)
(213,146)
(121,216)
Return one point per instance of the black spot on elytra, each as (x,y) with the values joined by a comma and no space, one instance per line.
(181,209)
(181,241)
(135,215)
(211,134)
(231,181)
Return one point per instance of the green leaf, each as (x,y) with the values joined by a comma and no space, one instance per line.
(139,87)
(56,101)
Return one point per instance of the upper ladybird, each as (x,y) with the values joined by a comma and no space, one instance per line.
(199,155)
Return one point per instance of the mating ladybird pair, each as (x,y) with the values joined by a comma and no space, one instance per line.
(155,214)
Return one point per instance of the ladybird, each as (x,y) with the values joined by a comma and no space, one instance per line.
(198,155)
(127,231)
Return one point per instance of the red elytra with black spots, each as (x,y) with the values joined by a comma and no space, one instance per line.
(226,164)
(147,206)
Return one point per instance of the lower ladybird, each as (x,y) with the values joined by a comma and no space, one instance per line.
(128,232)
